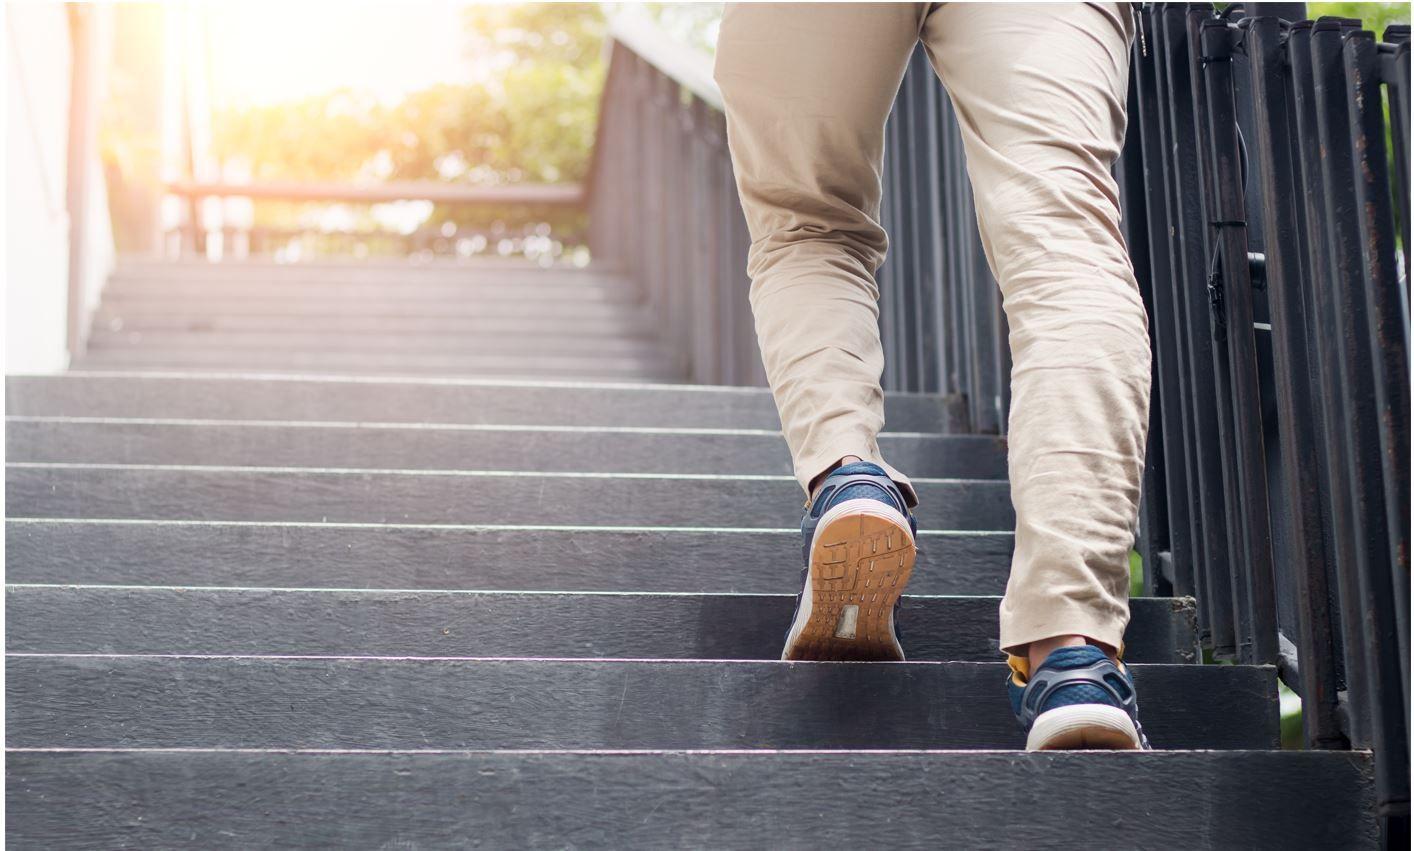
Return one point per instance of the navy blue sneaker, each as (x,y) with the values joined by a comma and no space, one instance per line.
(1078,699)
(859,552)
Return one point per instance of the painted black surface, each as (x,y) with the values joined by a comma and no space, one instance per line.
(317,556)
(298,361)
(153,701)
(458,448)
(428,401)
(712,800)
(440,623)
(230,493)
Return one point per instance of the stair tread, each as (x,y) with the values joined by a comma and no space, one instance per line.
(191,291)
(456,496)
(78,619)
(362,702)
(319,339)
(289,554)
(611,365)
(703,799)
(429,400)
(452,447)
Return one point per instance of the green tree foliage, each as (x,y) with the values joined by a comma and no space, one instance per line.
(1374,16)
(530,118)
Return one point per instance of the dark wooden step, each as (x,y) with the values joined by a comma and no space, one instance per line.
(116,305)
(453,447)
(487,271)
(105,619)
(468,401)
(318,361)
(748,561)
(381,496)
(332,702)
(322,340)
(1155,800)
(625,324)
(410,289)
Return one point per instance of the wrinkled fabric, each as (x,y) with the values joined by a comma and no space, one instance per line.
(1039,91)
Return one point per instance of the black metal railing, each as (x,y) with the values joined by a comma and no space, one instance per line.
(1270,235)
(664,208)
(539,222)
(1261,216)
(663,204)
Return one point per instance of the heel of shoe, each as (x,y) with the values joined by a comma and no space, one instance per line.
(1083,726)
(861,558)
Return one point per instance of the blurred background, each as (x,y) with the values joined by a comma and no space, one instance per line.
(304,131)
(118,110)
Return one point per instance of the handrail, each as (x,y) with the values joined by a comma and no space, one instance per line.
(687,67)
(546,194)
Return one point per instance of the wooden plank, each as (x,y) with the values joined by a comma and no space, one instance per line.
(452,447)
(342,702)
(195,292)
(458,497)
(223,799)
(530,345)
(626,368)
(756,561)
(528,194)
(315,308)
(351,268)
(423,401)
(627,325)
(106,619)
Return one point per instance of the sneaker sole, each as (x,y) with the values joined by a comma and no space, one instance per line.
(860,561)
(1084,726)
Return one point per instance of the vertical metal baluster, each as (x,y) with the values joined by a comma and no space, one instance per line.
(1171,522)
(1187,239)
(1298,438)
(1229,207)
(1349,384)
(1135,195)
(1236,534)
(1383,430)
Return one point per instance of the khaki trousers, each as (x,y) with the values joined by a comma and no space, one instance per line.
(1039,91)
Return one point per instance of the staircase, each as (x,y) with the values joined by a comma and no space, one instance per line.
(482,318)
(375,611)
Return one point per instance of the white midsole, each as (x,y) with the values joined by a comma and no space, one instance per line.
(1054,723)
(849,506)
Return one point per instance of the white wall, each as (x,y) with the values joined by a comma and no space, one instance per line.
(36,222)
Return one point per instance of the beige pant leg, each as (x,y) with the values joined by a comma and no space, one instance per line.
(1040,94)
(807,89)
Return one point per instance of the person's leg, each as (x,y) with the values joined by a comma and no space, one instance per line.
(1040,94)
(807,89)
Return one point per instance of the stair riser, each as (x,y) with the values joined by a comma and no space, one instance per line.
(438,449)
(284,556)
(436,623)
(705,800)
(315,308)
(411,290)
(118,701)
(194,493)
(448,401)
(357,363)
(394,344)
(620,326)
(476,273)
